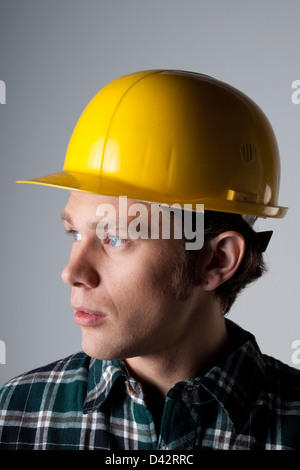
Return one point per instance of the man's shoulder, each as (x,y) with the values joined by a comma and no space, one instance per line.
(280,372)
(268,373)
(25,387)
(61,367)
(282,377)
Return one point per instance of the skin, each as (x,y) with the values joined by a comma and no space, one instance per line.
(162,338)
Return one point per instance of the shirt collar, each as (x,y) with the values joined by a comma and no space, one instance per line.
(233,381)
(103,375)
(236,381)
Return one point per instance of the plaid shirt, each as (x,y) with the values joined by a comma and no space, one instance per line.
(245,401)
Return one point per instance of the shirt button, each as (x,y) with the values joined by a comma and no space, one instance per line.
(188,387)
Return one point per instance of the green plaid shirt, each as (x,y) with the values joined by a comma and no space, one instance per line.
(245,401)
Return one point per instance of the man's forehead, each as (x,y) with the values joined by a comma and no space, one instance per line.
(96,206)
(93,200)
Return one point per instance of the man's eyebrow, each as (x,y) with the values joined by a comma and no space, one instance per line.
(65,217)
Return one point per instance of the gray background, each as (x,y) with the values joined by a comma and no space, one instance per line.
(54,57)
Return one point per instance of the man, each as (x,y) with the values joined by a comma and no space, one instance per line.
(161,368)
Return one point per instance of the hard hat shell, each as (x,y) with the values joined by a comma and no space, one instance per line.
(172,136)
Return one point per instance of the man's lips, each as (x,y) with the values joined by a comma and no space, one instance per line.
(87,317)
(84,309)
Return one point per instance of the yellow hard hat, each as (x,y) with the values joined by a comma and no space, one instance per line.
(172,136)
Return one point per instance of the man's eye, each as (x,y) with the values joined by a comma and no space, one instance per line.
(115,241)
(74,234)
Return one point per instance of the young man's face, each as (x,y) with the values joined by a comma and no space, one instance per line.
(123,291)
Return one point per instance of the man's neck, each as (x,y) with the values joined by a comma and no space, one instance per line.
(187,359)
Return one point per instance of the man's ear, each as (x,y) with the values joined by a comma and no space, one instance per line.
(219,259)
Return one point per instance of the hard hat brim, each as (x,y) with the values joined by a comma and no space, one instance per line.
(75,181)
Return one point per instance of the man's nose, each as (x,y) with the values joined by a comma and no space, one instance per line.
(80,271)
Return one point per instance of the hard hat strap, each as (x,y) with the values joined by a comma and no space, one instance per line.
(263,239)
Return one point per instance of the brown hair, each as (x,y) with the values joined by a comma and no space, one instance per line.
(252,266)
